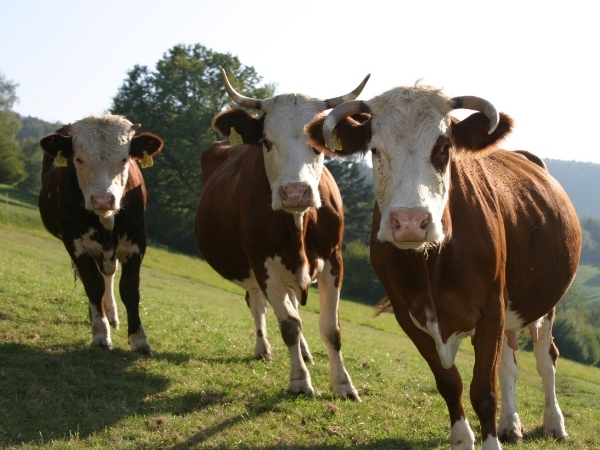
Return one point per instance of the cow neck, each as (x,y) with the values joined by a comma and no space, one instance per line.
(107,222)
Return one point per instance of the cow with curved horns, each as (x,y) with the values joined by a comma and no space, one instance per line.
(270,219)
(93,198)
(467,240)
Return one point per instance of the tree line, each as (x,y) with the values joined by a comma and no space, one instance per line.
(177,100)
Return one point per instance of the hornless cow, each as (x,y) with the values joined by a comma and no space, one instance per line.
(467,240)
(270,219)
(93,198)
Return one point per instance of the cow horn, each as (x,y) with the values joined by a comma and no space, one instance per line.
(335,101)
(478,104)
(338,113)
(136,126)
(241,100)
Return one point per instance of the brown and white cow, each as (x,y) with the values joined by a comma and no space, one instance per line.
(270,219)
(467,240)
(93,198)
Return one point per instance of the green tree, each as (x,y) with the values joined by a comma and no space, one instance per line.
(358,198)
(12,169)
(178,102)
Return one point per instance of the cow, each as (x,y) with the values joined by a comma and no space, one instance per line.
(270,219)
(93,199)
(467,240)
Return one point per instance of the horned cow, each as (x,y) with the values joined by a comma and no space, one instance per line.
(270,219)
(467,239)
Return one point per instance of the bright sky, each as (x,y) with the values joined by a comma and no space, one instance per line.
(535,60)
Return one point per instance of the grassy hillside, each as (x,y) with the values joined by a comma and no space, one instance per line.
(201,389)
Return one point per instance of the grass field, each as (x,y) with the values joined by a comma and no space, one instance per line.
(201,389)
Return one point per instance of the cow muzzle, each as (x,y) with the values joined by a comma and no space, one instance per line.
(409,225)
(103,202)
(296,196)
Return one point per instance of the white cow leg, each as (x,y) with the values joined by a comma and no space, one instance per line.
(108,300)
(258,307)
(461,436)
(290,326)
(329,327)
(306,355)
(509,426)
(100,328)
(546,355)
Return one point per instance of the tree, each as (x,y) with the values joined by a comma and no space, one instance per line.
(178,101)
(12,169)
(358,198)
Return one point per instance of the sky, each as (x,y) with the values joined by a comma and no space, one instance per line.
(538,61)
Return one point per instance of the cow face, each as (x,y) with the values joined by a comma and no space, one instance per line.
(101,149)
(413,140)
(293,167)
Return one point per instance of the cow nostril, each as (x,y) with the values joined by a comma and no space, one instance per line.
(424,223)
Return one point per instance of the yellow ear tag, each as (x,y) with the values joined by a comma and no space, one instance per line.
(234,137)
(146,160)
(337,143)
(60,160)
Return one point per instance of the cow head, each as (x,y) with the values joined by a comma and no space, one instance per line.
(413,139)
(293,167)
(101,149)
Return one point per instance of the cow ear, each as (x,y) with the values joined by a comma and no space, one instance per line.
(147,143)
(352,135)
(471,134)
(54,143)
(248,127)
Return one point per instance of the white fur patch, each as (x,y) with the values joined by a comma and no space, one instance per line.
(446,350)
(290,158)
(461,436)
(101,157)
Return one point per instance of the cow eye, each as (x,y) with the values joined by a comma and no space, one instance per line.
(267,144)
(445,149)
(79,160)
(374,150)
(317,152)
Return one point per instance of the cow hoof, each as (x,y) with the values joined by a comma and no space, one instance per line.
(301,387)
(115,324)
(143,348)
(102,342)
(510,429)
(510,436)
(347,391)
(263,356)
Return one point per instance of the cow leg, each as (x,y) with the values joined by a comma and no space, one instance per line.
(329,327)
(108,300)
(488,341)
(94,285)
(448,381)
(290,326)
(546,354)
(258,307)
(509,426)
(129,288)
(306,355)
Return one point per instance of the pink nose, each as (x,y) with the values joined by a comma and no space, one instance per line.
(295,195)
(103,201)
(409,224)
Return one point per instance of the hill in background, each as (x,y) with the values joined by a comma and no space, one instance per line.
(580,180)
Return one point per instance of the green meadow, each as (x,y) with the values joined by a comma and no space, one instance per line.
(201,388)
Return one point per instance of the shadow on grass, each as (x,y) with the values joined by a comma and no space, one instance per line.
(50,393)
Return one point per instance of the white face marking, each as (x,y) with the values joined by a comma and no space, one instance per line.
(406,124)
(446,350)
(290,160)
(101,157)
